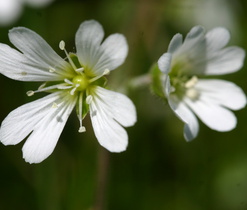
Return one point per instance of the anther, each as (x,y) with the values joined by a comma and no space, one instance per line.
(192,93)
(106,72)
(43,89)
(54,105)
(30,92)
(82,129)
(62,45)
(190,83)
(52,70)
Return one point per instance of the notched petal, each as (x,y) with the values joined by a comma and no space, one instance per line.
(164,62)
(112,110)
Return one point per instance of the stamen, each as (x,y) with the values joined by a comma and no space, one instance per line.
(192,93)
(72,92)
(49,88)
(30,92)
(80,70)
(81,128)
(52,70)
(68,81)
(106,72)
(54,105)
(191,83)
(89,99)
(59,86)
(62,47)
(42,86)
(64,87)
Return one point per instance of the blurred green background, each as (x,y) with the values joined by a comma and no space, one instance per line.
(159,170)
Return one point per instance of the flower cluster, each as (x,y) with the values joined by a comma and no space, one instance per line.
(77,82)
(181,76)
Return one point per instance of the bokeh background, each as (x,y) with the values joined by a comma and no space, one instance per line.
(159,170)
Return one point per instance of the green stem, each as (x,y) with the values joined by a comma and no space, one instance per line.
(140,81)
(102,179)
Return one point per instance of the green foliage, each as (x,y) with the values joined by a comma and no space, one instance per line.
(156,86)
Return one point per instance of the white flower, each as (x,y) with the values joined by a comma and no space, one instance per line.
(10,10)
(188,94)
(79,82)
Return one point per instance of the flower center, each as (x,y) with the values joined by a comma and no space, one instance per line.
(182,82)
(183,85)
(78,83)
(81,82)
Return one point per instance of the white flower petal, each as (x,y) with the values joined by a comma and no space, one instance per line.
(96,56)
(175,43)
(225,61)
(222,92)
(191,126)
(88,39)
(109,133)
(195,33)
(114,51)
(21,121)
(15,65)
(193,47)
(117,105)
(214,116)
(193,39)
(42,141)
(108,110)
(167,86)
(41,117)
(39,54)
(164,62)
(217,38)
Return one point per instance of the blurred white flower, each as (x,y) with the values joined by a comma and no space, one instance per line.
(209,13)
(188,94)
(212,13)
(10,10)
(38,3)
(79,82)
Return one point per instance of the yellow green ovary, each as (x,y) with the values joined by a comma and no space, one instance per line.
(81,81)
